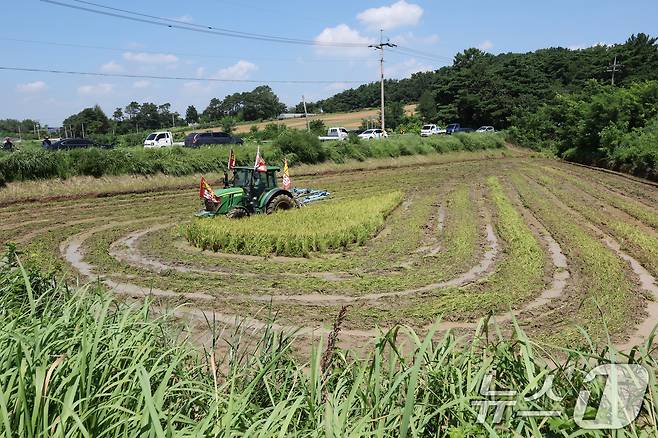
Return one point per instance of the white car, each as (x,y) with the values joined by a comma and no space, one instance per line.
(429,130)
(486,129)
(370,134)
(337,133)
(159,139)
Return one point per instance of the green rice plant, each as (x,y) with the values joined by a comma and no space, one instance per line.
(319,228)
(75,364)
(608,294)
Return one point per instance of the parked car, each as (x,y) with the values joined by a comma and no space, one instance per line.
(454,128)
(196,139)
(159,139)
(335,133)
(76,143)
(370,134)
(486,129)
(429,130)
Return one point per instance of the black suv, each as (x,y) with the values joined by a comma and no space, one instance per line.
(76,143)
(197,139)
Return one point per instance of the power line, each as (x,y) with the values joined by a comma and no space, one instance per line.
(175,78)
(420,54)
(198,55)
(177,24)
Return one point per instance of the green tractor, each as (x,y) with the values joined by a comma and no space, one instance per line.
(249,192)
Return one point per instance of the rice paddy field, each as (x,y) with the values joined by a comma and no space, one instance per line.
(460,261)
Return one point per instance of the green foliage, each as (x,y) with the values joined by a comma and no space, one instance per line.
(427,107)
(228,124)
(76,363)
(393,114)
(484,89)
(91,120)
(615,127)
(191,114)
(297,232)
(300,146)
(318,127)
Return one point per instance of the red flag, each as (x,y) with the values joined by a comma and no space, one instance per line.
(259,164)
(206,192)
(231,160)
(286,176)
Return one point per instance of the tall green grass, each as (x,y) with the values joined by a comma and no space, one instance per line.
(298,147)
(75,364)
(297,232)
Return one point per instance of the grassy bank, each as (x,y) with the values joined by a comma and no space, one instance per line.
(73,363)
(299,148)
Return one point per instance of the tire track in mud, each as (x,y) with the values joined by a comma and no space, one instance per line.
(644,279)
(72,251)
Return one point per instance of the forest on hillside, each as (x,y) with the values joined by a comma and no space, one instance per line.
(484,89)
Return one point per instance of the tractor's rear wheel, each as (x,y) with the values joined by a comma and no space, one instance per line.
(279,203)
(237,213)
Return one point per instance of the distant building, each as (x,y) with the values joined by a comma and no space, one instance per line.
(293,116)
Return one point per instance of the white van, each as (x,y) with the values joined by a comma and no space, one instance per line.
(159,139)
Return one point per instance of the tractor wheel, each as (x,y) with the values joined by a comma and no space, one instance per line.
(280,202)
(237,213)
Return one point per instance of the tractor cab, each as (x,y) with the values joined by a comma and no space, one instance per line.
(256,183)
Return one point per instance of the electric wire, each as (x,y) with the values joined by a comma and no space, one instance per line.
(175,78)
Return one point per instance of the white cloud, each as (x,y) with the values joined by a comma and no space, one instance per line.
(95,90)
(184,18)
(200,72)
(32,87)
(198,88)
(410,39)
(485,45)
(111,67)
(240,70)
(337,86)
(143,83)
(406,68)
(150,58)
(330,39)
(398,14)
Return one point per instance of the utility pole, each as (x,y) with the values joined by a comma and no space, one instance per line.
(20,138)
(83,130)
(380,47)
(614,67)
(173,123)
(308,126)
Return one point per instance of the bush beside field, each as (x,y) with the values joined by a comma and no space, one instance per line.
(296,233)
(297,146)
(75,363)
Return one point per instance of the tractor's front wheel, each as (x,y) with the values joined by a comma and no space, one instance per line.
(280,202)
(237,213)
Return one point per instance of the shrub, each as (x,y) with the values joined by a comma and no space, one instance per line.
(306,146)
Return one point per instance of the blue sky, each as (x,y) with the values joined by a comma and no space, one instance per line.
(436,27)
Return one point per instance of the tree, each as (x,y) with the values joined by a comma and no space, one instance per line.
(317,127)
(393,113)
(191,115)
(93,119)
(118,115)
(228,124)
(427,107)
(132,109)
(214,110)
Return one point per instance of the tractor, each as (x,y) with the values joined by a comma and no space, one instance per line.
(253,192)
